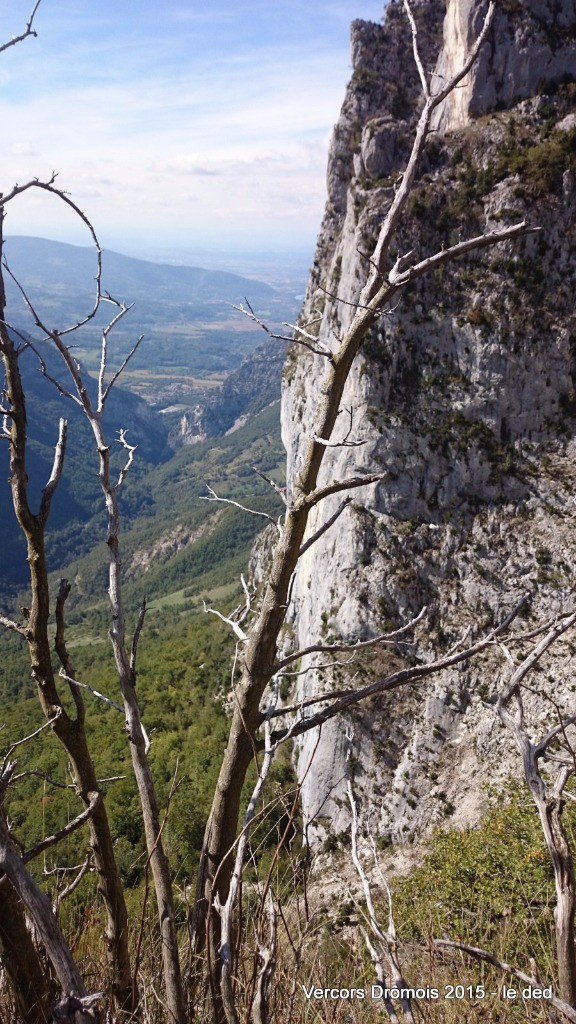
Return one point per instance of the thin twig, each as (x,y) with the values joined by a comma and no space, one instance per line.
(229,501)
(28,31)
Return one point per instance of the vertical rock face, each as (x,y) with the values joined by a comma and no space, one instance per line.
(464,398)
(532,47)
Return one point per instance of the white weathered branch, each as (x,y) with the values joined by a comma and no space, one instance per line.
(103,389)
(121,368)
(16,627)
(416,50)
(95,693)
(130,448)
(312,345)
(401,274)
(236,629)
(344,443)
(229,501)
(57,467)
(351,648)
(527,979)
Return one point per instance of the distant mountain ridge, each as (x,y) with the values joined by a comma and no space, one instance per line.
(192,333)
(125,277)
(191,343)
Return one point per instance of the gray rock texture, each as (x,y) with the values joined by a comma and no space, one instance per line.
(465,398)
(531,47)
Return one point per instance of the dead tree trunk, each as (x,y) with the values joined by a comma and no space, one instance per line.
(548,797)
(20,960)
(70,731)
(126,668)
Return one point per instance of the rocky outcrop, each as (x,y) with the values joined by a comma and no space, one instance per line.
(532,47)
(464,397)
(247,390)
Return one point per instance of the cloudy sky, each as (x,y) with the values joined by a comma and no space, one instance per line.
(175,124)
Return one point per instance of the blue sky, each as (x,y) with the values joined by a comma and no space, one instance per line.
(176,124)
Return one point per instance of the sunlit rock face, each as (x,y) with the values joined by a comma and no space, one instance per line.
(464,397)
(531,48)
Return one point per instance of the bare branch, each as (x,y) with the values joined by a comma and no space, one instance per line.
(309,500)
(313,346)
(302,330)
(229,501)
(62,650)
(345,443)
(560,627)
(53,380)
(48,186)
(238,632)
(386,941)
(28,31)
(471,59)
(280,491)
(95,693)
(130,448)
(104,390)
(16,627)
(528,979)
(94,800)
(399,276)
(56,473)
(25,739)
(325,526)
(136,637)
(347,648)
(347,698)
(377,311)
(69,889)
(416,50)
(267,957)
(122,310)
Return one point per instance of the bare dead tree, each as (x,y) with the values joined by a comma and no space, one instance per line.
(549,763)
(38,906)
(259,660)
(381,942)
(70,730)
(124,648)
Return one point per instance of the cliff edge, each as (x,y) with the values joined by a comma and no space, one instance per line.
(464,398)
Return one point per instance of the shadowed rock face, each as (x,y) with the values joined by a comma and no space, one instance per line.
(464,396)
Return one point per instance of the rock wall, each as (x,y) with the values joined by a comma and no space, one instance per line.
(464,397)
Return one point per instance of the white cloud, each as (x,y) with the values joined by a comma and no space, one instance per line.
(175,133)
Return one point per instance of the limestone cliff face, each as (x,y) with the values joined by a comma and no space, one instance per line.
(531,48)
(464,396)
